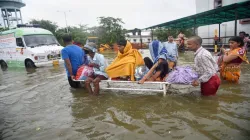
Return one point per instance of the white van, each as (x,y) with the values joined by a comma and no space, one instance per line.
(28,46)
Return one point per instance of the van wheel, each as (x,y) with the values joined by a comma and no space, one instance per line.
(29,64)
(4,65)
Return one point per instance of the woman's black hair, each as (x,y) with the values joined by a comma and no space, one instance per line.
(86,51)
(148,62)
(122,42)
(238,40)
(163,67)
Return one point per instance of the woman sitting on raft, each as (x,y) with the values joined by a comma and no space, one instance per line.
(123,67)
(158,72)
(160,68)
(231,60)
(158,51)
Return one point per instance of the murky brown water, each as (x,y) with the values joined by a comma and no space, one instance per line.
(41,105)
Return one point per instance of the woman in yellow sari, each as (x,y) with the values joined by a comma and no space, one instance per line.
(123,67)
(231,60)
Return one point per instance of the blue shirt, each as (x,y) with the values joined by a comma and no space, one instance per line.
(100,60)
(156,50)
(172,49)
(76,56)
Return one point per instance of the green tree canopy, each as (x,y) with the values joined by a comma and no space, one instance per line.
(46,24)
(79,34)
(111,29)
(3,29)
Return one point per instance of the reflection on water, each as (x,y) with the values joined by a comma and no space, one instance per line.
(39,104)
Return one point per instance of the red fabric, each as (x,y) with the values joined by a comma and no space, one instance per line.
(241,52)
(76,43)
(237,60)
(83,72)
(211,86)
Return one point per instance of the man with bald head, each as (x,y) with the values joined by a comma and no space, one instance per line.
(205,66)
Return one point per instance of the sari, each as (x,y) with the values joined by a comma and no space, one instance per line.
(156,51)
(231,71)
(125,63)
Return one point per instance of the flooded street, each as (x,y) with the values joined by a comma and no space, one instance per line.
(40,105)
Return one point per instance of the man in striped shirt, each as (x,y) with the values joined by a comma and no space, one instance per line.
(205,66)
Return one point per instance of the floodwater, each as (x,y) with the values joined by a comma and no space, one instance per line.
(40,105)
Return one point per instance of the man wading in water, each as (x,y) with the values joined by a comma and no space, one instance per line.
(205,66)
(73,57)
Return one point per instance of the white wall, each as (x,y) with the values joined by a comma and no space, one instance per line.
(228,2)
(1,19)
(144,40)
(227,27)
(205,5)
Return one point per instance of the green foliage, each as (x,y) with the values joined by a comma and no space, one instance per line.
(45,24)
(79,34)
(3,29)
(110,29)
(162,33)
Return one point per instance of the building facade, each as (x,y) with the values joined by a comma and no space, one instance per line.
(136,38)
(227,28)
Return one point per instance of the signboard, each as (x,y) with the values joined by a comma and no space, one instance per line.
(7,41)
(215,40)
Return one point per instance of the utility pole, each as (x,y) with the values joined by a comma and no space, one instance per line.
(64,12)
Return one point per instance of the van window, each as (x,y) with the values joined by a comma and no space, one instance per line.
(19,42)
(39,40)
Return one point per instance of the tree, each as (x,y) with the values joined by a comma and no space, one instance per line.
(79,34)
(97,31)
(109,31)
(111,28)
(3,29)
(46,24)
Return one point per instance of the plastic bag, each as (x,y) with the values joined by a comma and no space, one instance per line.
(140,71)
(84,72)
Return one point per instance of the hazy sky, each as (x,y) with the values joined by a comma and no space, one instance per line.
(134,13)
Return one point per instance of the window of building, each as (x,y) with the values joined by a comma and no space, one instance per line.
(217,4)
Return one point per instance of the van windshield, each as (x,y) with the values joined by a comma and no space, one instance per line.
(39,40)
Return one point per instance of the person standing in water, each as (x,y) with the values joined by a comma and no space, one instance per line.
(205,66)
(73,57)
(181,38)
(172,50)
(230,61)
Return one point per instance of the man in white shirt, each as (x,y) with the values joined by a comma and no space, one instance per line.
(205,66)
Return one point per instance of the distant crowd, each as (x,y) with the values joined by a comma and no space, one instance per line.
(246,40)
